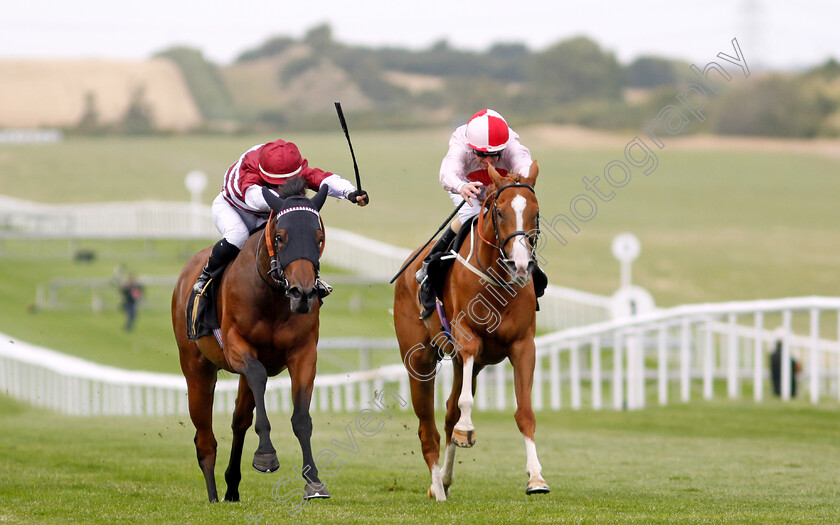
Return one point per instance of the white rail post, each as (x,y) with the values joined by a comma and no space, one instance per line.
(813,357)
(597,401)
(574,369)
(685,360)
(758,358)
(635,370)
(662,363)
(733,386)
(708,348)
(554,367)
(618,373)
(786,371)
(837,361)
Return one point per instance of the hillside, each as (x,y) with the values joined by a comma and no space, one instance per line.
(40,93)
(290,84)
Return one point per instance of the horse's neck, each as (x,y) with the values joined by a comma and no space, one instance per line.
(488,257)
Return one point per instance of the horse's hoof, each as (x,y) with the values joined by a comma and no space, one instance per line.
(231,497)
(266,463)
(315,490)
(463,438)
(537,486)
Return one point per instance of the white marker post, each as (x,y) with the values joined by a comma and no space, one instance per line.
(196,182)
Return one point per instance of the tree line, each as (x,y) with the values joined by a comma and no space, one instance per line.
(574,81)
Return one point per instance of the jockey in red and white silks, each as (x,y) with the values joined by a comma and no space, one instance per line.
(464,166)
(240,206)
(483,141)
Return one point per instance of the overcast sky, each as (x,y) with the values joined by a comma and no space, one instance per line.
(779,33)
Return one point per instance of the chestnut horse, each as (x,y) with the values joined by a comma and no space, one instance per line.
(268,314)
(490,301)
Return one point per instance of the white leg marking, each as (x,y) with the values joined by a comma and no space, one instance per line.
(448,464)
(536,483)
(519,251)
(532,465)
(437,485)
(465,400)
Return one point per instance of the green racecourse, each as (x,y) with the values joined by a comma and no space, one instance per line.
(721,462)
(716,224)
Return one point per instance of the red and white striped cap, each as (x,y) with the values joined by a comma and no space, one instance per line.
(487,131)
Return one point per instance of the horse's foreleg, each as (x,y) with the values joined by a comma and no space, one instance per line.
(302,372)
(243,416)
(265,458)
(523,362)
(463,434)
(453,415)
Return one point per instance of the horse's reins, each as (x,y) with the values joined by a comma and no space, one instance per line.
(490,207)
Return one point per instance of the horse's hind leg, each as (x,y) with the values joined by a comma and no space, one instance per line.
(422,366)
(302,371)
(523,360)
(243,416)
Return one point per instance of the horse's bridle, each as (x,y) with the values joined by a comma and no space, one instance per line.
(276,268)
(492,209)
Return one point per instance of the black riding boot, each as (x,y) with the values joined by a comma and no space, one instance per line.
(222,253)
(443,243)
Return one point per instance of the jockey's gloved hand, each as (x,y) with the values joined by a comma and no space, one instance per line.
(358,193)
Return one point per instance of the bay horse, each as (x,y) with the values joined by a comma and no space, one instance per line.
(268,315)
(490,303)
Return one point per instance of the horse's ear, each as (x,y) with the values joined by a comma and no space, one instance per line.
(321,196)
(532,175)
(494,176)
(275,201)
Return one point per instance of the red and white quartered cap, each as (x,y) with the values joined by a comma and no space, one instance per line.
(487,131)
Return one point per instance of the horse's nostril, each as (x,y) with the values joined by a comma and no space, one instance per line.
(295,292)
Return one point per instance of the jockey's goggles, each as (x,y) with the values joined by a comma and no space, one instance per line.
(485,154)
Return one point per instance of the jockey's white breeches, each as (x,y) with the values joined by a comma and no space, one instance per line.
(234,224)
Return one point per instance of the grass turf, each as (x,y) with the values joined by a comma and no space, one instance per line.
(718,462)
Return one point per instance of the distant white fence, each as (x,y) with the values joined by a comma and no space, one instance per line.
(105,220)
(667,356)
(30,136)
(560,307)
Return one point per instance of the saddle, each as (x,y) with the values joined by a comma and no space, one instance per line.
(431,290)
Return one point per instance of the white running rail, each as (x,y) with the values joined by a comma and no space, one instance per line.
(673,355)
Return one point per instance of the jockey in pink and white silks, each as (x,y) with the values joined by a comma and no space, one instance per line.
(483,141)
(240,206)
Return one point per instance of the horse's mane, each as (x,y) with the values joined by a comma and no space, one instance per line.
(294,186)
